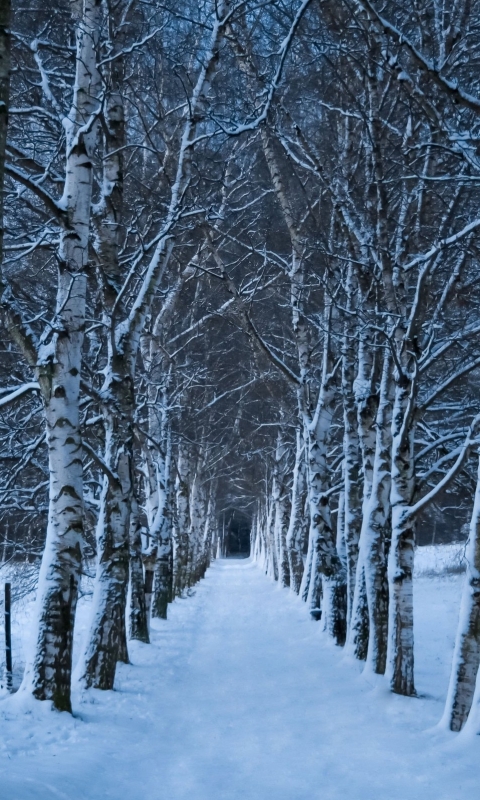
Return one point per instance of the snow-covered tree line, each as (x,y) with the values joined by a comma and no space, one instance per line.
(240,267)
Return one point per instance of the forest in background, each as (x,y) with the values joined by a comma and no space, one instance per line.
(240,271)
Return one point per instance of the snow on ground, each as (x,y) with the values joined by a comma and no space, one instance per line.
(440,559)
(240,698)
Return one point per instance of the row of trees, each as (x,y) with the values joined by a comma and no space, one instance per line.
(240,267)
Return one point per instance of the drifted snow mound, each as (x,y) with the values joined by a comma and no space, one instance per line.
(440,559)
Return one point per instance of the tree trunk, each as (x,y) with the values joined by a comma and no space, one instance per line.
(298,528)
(198,514)
(181,549)
(5,12)
(280,513)
(327,567)
(371,642)
(466,658)
(106,641)
(163,572)
(351,448)
(138,617)
(48,673)
(400,655)
(271,563)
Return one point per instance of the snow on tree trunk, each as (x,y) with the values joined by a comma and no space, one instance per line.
(327,568)
(163,572)
(309,568)
(106,640)
(366,403)
(272,562)
(198,514)
(340,536)
(158,454)
(5,12)
(351,448)
(297,528)
(260,537)
(138,619)
(400,656)
(368,633)
(208,544)
(181,550)
(280,523)
(48,670)
(161,531)
(376,529)
(255,550)
(466,658)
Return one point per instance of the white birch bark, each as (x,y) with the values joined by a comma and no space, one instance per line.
(106,643)
(181,540)
(367,404)
(375,537)
(158,453)
(198,517)
(309,568)
(351,445)
(48,669)
(327,571)
(208,543)
(138,612)
(466,658)
(159,517)
(400,654)
(271,565)
(280,523)
(298,527)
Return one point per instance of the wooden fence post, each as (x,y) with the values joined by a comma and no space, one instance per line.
(149,574)
(8,637)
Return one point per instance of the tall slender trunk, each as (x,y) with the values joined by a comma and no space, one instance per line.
(106,640)
(375,535)
(48,672)
(466,657)
(298,528)
(272,562)
(158,453)
(138,627)
(351,447)
(400,655)
(367,404)
(182,527)
(198,515)
(328,573)
(207,553)
(5,13)
(161,532)
(260,547)
(280,523)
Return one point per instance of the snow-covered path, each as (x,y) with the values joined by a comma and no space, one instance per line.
(239,696)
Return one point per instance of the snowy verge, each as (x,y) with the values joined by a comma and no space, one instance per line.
(440,559)
(240,697)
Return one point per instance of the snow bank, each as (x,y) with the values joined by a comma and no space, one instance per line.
(440,559)
(241,697)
